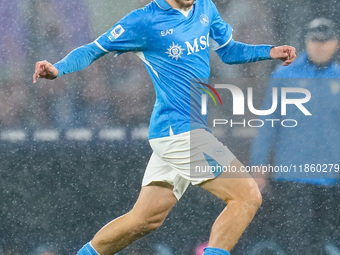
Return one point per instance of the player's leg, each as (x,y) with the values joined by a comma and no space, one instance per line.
(190,154)
(242,196)
(153,205)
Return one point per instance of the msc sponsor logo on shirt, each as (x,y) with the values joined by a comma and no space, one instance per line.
(175,51)
(198,44)
(116,32)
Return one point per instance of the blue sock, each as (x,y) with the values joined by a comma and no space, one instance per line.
(215,251)
(87,250)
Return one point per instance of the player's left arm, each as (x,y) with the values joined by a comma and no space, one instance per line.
(233,52)
(239,53)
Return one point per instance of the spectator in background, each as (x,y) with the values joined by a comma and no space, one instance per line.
(302,209)
(291,17)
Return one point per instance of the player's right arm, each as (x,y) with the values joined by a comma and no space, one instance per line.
(129,34)
(77,60)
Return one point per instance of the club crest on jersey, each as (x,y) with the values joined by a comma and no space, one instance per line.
(116,32)
(204,20)
(175,51)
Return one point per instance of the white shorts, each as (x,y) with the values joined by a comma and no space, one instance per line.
(186,158)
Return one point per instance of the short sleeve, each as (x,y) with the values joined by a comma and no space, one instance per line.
(220,31)
(129,34)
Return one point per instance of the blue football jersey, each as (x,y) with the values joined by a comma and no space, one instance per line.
(174,47)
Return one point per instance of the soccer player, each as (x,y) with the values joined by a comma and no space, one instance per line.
(172,37)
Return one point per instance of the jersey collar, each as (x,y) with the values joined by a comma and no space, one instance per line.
(163,4)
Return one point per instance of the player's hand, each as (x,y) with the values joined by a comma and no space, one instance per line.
(46,70)
(285,53)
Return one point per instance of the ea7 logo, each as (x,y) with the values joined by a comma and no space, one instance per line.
(167,32)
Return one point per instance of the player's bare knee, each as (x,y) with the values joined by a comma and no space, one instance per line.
(249,195)
(253,198)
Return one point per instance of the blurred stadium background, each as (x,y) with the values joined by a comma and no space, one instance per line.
(73,150)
